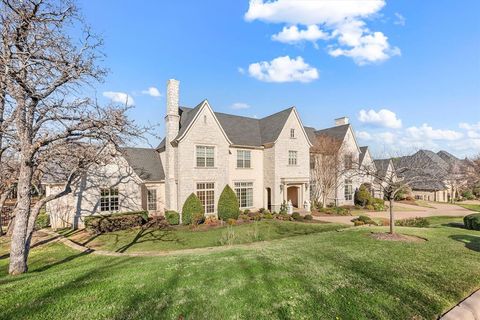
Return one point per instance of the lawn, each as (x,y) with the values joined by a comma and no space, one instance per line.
(182,237)
(473,207)
(324,275)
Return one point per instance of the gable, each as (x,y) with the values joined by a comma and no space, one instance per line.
(293,122)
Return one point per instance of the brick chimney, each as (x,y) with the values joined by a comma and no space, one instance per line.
(172,121)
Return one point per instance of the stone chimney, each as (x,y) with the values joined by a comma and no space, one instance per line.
(341,121)
(172,121)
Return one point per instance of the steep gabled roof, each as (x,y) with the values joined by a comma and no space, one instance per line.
(271,126)
(424,161)
(382,166)
(337,132)
(363,152)
(145,162)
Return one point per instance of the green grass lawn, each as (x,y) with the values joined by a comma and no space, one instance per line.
(323,275)
(473,207)
(182,237)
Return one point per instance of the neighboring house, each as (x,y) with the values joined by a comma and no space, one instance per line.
(265,161)
(439,175)
(351,156)
(385,175)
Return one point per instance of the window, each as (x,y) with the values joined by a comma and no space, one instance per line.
(348,160)
(243,158)
(109,199)
(244,192)
(205,156)
(151,199)
(292,133)
(348,190)
(206,194)
(292,158)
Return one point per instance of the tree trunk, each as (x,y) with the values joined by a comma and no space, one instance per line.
(392,218)
(18,250)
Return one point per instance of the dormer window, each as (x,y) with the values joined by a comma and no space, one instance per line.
(292,133)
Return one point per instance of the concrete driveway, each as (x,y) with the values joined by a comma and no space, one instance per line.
(407,211)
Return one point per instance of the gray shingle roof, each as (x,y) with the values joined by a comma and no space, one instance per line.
(240,130)
(145,162)
(337,132)
(363,152)
(382,166)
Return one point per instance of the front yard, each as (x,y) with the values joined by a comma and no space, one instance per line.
(323,275)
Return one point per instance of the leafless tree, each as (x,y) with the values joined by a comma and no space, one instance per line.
(46,74)
(326,166)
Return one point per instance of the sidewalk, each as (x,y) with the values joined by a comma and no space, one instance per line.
(468,309)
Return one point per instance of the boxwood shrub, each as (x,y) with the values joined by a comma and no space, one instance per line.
(43,221)
(472,221)
(173,217)
(117,221)
(228,204)
(192,207)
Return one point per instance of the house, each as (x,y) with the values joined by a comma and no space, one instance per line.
(439,175)
(266,162)
(385,176)
(350,156)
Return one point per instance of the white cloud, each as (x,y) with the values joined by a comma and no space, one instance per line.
(293,34)
(387,137)
(344,19)
(364,135)
(426,132)
(383,118)
(239,105)
(283,69)
(152,91)
(400,20)
(468,126)
(119,97)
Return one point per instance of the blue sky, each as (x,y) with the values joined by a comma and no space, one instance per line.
(413,67)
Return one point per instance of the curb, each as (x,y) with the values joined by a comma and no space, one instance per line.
(467,309)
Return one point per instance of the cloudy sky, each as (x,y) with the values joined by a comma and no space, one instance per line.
(406,73)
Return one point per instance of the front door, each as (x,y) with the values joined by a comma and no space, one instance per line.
(292,195)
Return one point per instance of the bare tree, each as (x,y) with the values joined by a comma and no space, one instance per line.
(47,73)
(326,166)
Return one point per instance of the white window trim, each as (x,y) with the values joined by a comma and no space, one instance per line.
(214,194)
(153,202)
(109,197)
(253,192)
(214,155)
(296,158)
(294,136)
(236,159)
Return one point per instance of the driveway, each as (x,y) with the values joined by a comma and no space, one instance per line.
(407,211)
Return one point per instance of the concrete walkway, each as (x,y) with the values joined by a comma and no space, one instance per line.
(468,309)
(408,211)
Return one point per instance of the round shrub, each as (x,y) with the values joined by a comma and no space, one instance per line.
(308,217)
(296,216)
(364,220)
(172,217)
(268,216)
(191,207)
(228,204)
(358,223)
(472,221)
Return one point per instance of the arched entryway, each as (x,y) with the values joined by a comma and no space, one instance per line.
(292,195)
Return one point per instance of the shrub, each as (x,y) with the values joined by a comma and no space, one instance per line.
(378,204)
(191,207)
(472,221)
(211,221)
(365,220)
(246,211)
(370,207)
(297,216)
(115,222)
(157,222)
(265,211)
(268,216)
(231,222)
(228,204)
(468,195)
(244,217)
(308,217)
(283,217)
(198,218)
(358,223)
(257,216)
(172,217)
(43,221)
(261,210)
(362,196)
(413,222)
(283,208)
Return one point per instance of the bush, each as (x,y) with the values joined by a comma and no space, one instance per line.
(265,211)
(296,216)
(283,217)
(231,222)
(413,222)
(246,211)
(244,217)
(468,195)
(378,204)
(268,216)
(228,204)
(308,217)
(43,221)
(365,220)
(157,222)
(261,210)
(358,223)
(172,217)
(362,196)
(198,218)
(370,207)
(257,216)
(115,222)
(472,221)
(283,208)
(191,207)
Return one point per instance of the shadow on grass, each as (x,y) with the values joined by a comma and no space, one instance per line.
(454,225)
(471,242)
(36,244)
(146,234)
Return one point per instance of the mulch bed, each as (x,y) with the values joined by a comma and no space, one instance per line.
(396,237)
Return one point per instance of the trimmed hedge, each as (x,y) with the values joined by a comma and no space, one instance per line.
(115,222)
(228,204)
(192,207)
(413,222)
(472,221)
(43,221)
(172,217)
